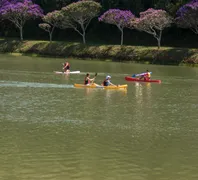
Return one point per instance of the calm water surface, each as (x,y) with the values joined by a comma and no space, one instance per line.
(50,130)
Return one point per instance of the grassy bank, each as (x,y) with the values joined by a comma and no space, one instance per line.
(140,54)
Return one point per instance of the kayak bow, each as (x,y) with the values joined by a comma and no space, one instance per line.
(128,78)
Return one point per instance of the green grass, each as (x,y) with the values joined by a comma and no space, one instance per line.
(140,54)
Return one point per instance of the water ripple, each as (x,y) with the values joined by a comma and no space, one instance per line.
(33,84)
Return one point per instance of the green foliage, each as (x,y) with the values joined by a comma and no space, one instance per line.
(45,27)
(82,10)
(165,55)
(106,33)
(80,14)
(54,18)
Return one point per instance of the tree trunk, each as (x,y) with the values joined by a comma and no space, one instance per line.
(21,33)
(84,39)
(159,40)
(122,36)
(83,33)
(50,33)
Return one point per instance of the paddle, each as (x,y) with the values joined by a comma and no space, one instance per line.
(141,74)
(94,79)
(63,67)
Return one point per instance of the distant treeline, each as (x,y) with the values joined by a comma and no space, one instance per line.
(101,33)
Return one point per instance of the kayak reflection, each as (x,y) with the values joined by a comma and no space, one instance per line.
(108,92)
(142,93)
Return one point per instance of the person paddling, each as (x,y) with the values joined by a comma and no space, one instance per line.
(146,76)
(107,81)
(66,66)
(88,80)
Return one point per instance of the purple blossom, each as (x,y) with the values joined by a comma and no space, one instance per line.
(187,16)
(23,8)
(19,11)
(153,22)
(117,17)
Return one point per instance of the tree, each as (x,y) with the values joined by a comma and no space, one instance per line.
(18,12)
(48,28)
(187,16)
(152,22)
(118,17)
(3,3)
(80,14)
(52,20)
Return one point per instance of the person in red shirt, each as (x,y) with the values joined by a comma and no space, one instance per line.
(146,76)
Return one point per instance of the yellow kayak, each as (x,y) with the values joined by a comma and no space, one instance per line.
(99,86)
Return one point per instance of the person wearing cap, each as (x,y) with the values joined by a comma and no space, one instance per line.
(107,81)
(66,66)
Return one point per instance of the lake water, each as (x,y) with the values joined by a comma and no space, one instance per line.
(50,130)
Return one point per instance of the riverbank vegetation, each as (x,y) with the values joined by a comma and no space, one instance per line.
(139,54)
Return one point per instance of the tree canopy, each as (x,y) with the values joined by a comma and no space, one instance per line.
(153,22)
(187,16)
(80,14)
(18,12)
(120,18)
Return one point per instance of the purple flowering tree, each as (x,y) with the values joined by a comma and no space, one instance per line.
(78,15)
(187,16)
(117,17)
(18,12)
(3,2)
(153,22)
(51,20)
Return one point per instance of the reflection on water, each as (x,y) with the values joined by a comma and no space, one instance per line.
(138,93)
(66,76)
(111,93)
(35,85)
(142,92)
(50,130)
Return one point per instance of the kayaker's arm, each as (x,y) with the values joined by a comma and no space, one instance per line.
(112,84)
(92,79)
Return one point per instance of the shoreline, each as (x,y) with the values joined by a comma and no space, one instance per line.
(114,53)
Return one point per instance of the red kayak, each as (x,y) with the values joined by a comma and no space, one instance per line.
(128,78)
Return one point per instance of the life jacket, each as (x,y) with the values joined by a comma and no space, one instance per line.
(105,83)
(87,81)
(66,65)
(148,74)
